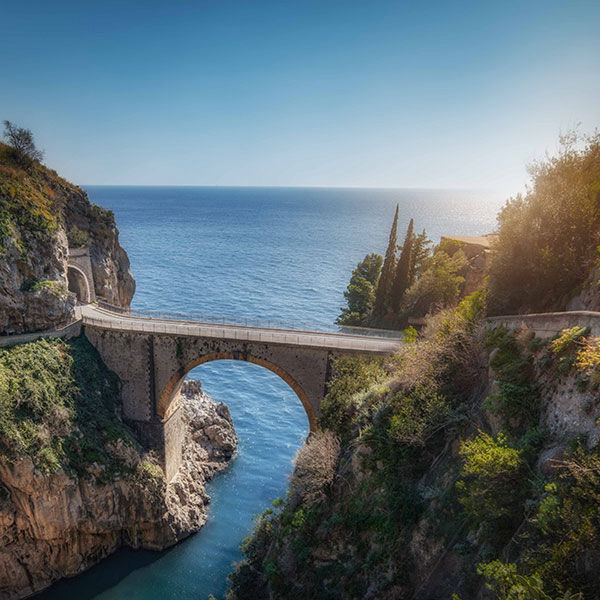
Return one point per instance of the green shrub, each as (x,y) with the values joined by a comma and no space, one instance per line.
(508,584)
(493,485)
(352,375)
(516,399)
(567,339)
(58,405)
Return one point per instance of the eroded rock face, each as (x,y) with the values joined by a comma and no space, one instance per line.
(113,281)
(210,443)
(41,217)
(55,526)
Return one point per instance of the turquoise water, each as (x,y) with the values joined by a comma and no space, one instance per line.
(264,253)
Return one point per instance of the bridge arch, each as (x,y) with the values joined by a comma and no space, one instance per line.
(165,405)
(79,283)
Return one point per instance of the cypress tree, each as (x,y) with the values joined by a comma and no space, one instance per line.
(403,270)
(384,287)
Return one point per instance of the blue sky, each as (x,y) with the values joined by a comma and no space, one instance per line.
(331,93)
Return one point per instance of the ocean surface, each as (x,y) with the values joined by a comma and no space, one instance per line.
(272,254)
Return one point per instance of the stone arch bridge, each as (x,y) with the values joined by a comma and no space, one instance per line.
(152,358)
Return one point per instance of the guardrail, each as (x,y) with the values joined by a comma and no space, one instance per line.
(336,341)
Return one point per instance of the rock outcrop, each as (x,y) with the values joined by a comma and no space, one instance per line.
(55,526)
(42,216)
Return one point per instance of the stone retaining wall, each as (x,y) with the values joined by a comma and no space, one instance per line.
(548,324)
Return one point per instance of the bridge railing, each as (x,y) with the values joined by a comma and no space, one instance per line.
(237,332)
(248,322)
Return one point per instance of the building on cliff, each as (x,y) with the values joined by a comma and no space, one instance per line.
(478,252)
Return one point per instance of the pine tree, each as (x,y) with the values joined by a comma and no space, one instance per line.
(403,270)
(382,295)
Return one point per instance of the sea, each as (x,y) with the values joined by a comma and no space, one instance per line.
(272,255)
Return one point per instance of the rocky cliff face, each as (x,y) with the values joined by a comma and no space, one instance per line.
(41,217)
(473,468)
(54,526)
(588,297)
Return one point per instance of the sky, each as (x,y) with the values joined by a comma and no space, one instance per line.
(299,93)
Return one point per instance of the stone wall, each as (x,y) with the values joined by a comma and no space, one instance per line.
(546,325)
(152,368)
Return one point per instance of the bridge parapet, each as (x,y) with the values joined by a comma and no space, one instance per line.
(329,340)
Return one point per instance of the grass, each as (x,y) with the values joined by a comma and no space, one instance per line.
(26,203)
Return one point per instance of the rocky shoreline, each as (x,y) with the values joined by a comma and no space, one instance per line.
(55,526)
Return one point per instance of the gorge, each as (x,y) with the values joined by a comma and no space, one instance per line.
(196,285)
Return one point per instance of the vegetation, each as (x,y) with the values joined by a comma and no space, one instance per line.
(548,239)
(58,406)
(78,238)
(360,294)
(492,486)
(23,149)
(433,463)
(438,286)
(27,210)
(403,273)
(54,287)
(386,280)
(413,284)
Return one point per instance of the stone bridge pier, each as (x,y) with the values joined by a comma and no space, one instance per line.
(153,366)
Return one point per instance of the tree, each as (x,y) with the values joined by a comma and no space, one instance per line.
(547,241)
(382,295)
(22,144)
(403,270)
(360,294)
(438,285)
(420,255)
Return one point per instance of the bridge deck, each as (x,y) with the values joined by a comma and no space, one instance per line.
(98,317)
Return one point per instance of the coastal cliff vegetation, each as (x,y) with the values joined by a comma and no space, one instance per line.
(42,218)
(467,465)
(544,255)
(59,407)
(75,485)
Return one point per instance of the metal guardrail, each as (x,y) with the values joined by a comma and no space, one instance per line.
(335,341)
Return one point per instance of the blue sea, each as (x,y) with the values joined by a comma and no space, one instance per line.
(279,254)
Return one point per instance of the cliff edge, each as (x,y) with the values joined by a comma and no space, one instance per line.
(42,217)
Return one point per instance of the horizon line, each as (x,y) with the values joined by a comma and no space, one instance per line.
(315,187)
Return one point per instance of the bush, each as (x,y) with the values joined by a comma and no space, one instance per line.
(360,294)
(567,339)
(588,358)
(493,485)
(508,584)
(516,399)
(437,287)
(342,404)
(315,467)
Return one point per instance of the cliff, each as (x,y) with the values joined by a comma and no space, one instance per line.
(467,464)
(74,484)
(42,216)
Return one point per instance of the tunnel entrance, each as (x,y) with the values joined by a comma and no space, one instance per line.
(79,284)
